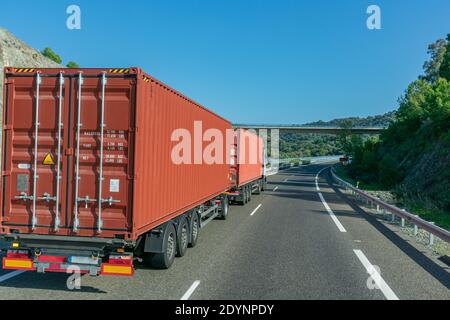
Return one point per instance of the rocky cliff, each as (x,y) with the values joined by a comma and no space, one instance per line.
(16,53)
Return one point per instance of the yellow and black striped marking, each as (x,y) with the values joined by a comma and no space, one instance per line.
(146,79)
(23,70)
(119,70)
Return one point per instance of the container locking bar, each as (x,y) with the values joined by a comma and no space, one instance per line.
(76,222)
(110,201)
(36,139)
(86,201)
(58,172)
(100,179)
(24,196)
(47,197)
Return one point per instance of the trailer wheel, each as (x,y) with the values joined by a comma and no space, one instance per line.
(182,237)
(224,208)
(165,259)
(194,230)
(264,184)
(244,195)
(249,190)
(258,189)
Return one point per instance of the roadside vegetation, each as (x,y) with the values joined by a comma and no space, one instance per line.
(412,157)
(52,55)
(297,145)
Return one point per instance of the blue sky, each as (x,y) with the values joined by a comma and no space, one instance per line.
(250,61)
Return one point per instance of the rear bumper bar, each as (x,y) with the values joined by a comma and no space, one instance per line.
(112,269)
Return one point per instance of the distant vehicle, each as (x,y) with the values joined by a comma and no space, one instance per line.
(88,180)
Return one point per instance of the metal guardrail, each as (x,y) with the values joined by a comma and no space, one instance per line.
(403,214)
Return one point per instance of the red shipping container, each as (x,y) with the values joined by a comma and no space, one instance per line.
(250,155)
(112,126)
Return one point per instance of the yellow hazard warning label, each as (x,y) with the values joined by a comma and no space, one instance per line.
(48,160)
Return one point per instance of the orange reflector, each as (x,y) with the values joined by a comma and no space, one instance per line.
(18,264)
(117,270)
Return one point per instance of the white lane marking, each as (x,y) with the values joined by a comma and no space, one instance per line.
(375,275)
(191,290)
(11,275)
(275,189)
(257,208)
(327,207)
(332,215)
(286,180)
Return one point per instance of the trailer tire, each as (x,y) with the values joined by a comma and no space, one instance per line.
(194,230)
(249,190)
(264,184)
(244,195)
(224,205)
(165,259)
(259,186)
(182,237)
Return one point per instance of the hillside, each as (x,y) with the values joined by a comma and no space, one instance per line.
(372,121)
(294,145)
(412,157)
(16,53)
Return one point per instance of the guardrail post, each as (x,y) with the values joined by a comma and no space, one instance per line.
(431,237)
(403,219)
(378,208)
(416,228)
(393,217)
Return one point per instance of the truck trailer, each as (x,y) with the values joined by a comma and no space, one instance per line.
(89,182)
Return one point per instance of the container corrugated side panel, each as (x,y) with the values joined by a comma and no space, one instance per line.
(162,189)
(250,150)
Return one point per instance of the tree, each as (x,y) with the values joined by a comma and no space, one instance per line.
(432,67)
(72,64)
(49,53)
(445,66)
(345,136)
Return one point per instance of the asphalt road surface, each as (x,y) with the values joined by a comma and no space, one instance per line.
(285,244)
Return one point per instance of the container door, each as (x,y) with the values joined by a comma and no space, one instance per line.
(103,118)
(34,134)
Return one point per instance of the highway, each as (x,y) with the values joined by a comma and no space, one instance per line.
(285,244)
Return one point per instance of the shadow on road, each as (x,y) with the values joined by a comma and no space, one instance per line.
(425,262)
(47,281)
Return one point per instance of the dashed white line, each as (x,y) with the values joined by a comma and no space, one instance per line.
(327,207)
(11,275)
(191,290)
(275,189)
(376,277)
(257,208)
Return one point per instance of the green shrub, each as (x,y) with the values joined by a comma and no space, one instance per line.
(49,53)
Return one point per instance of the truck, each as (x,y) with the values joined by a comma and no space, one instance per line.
(91,173)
